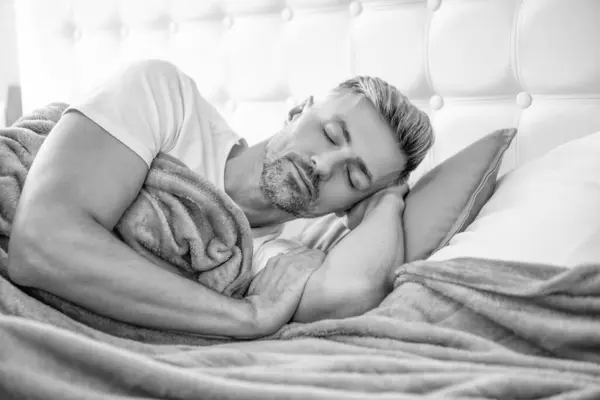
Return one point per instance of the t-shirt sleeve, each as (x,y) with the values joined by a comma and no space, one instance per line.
(143,106)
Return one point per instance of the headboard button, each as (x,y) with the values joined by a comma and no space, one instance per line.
(524,100)
(433,5)
(436,102)
(287,14)
(355,8)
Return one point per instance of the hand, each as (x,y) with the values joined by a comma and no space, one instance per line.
(396,192)
(275,292)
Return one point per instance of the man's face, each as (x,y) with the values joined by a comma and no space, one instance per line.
(332,155)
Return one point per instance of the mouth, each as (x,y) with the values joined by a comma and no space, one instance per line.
(304,180)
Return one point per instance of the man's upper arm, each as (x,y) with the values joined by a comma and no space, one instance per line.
(80,170)
(96,158)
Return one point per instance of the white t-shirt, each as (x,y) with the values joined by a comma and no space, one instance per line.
(152,106)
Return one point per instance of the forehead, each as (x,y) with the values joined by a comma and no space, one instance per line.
(372,139)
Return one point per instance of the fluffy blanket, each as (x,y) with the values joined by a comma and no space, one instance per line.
(178,218)
(461,329)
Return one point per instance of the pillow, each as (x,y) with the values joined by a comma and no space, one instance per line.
(448,198)
(546,211)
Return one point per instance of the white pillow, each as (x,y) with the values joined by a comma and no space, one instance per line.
(546,211)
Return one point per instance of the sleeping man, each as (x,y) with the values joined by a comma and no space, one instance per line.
(348,153)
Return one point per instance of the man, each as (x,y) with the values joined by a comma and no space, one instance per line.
(345,152)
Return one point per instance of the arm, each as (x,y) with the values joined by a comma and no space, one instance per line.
(79,185)
(61,241)
(355,276)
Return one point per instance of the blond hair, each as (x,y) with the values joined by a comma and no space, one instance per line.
(411,126)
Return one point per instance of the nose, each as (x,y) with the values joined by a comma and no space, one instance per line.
(326,162)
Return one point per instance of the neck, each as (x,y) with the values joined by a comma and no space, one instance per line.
(242,183)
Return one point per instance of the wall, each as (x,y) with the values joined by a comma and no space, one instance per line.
(9,71)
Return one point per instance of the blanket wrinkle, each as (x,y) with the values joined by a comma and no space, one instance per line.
(178,219)
(503,287)
(395,351)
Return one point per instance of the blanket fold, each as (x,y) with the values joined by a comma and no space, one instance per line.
(554,311)
(459,329)
(178,219)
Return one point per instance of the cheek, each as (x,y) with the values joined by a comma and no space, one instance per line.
(305,136)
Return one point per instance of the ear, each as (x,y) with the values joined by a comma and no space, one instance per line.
(297,110)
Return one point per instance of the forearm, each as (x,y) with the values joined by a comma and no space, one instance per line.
(84,263)
(378,241)
(355,275)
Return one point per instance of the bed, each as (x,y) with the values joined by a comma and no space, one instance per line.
(507,306)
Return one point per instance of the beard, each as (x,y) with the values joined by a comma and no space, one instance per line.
(278,183)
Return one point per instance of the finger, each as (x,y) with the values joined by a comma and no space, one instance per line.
(314,254)
(296,250)
(307,258)
(318,256)
(292,248)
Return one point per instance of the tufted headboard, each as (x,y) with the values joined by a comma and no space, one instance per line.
(472,65)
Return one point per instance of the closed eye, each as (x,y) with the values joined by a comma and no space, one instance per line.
(324,130)
(356,178)
(349,176)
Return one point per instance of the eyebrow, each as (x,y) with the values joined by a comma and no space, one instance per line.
(361,164)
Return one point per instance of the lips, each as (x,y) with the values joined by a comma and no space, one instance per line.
(304,179)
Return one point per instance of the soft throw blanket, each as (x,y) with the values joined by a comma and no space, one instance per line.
(461,329)
(178,219)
